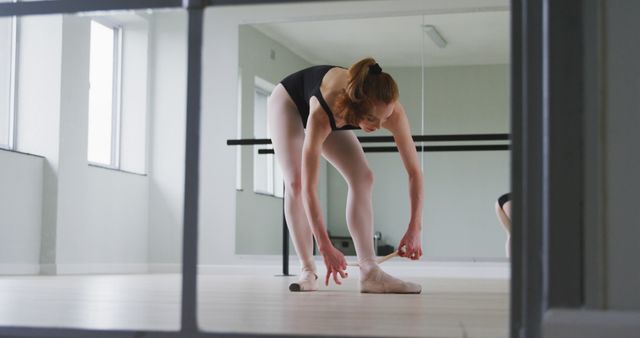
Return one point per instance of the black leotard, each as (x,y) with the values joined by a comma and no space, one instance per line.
(304,84)
(504,199)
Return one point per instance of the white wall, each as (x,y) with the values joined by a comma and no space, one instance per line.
(20,207)
(135,46)
(38,110)
(167,138)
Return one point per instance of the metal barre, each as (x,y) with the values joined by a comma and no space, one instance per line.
(416,138)
(387,149)
(488,147)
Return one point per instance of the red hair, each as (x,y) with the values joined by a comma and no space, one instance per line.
(364,89)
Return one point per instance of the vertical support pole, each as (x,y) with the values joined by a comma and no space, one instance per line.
(285,243)
(192,168)
(516,320)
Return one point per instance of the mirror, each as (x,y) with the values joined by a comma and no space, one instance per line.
(453,74)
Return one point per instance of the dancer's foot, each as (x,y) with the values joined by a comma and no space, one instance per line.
(377,281)
(308,281)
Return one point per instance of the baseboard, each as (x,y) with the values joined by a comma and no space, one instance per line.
(165,268)
(19,269)
(101,268)
(398,266)
(217,269)
(265,265)
(591,324)
(48,269)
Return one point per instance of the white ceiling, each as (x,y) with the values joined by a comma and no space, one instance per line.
(473,38)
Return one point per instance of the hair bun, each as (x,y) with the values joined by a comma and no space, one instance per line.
(375,69)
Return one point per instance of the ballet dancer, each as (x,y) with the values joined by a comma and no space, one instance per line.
(311,113)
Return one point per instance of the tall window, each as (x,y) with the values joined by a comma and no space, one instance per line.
(104,95)
(7,81)
(267,176)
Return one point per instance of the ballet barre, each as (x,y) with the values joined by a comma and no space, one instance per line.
(388,149)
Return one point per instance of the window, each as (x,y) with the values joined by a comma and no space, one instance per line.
(104,95)
(8,48)
(118,92)
(267,176)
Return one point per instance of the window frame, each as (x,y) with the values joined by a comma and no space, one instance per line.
(274,186)
(260,87)
(239,182)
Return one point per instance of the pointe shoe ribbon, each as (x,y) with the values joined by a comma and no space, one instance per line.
(378,260)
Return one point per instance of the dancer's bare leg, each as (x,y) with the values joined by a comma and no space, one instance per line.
(504,215)
(343,150)
(287,135)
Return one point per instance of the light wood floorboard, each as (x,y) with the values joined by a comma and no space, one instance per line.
(446,308)
(456,308)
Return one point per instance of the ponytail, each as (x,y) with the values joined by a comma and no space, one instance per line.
(367,85)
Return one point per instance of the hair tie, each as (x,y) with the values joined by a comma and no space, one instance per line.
(375,69)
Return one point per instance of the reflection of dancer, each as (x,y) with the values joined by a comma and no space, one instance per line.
(327,101)
(503,210)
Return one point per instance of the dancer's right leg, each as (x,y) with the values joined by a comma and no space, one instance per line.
(504,215)
(287,136)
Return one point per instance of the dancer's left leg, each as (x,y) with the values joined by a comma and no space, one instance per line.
(343,150)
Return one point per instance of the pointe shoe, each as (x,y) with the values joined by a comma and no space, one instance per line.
(377,281)
(304,285)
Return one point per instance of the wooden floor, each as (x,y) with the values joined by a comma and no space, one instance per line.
(258,303)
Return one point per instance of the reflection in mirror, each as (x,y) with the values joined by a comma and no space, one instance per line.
(452,80)
(284,48)
(459,89)
(466,91)
(93,188)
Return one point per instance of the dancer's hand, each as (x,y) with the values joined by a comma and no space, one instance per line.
(336,264)
(410,245)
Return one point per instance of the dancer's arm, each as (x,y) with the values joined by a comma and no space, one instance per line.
(398,125)
(316,133)
(318,129)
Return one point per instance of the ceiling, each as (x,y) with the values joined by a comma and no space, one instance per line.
(473,38)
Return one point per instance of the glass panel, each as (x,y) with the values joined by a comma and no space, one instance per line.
(102,248)
(459,89)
